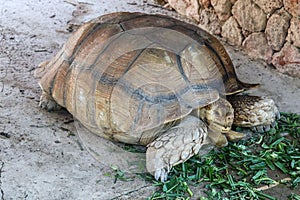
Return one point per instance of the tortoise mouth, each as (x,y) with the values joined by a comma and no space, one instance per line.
(225,129)
(219,127)
(229,134)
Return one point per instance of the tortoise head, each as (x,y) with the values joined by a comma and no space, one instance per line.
(219,118)
(218,115)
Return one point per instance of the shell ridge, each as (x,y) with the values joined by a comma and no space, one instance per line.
(180,68)
(105,48)
(219,59)
(77,47)
(141,16)
(120,78)
(135,59)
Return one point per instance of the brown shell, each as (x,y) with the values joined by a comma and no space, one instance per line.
(125,74)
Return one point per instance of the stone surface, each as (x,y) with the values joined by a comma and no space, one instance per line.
(192,10)
(179,5)
(294,32)
(269,6)
(232,32)
(246,33)
(249,15)
(292,6)
(204,3)
(277,29)
(210,21)
(288,60)
(257,47)
(239,21)
(222,8)
(188,8)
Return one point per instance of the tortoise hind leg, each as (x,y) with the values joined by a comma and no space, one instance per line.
(175,146)
(48,103)
(257,113)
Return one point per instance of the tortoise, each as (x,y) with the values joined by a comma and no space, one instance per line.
(154,81)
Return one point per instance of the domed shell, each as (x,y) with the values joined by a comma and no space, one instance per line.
(125,75)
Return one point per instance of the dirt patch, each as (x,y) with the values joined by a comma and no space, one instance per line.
(41,156)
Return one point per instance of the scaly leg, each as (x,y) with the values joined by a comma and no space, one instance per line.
(48,103)
(258,113)
(175,146)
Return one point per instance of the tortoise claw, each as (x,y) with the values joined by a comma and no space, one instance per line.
(161,174)
(277,115)
(48,103)
(262,128)
(273,124)
(267,128)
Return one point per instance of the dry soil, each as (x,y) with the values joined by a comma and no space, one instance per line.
(41,156)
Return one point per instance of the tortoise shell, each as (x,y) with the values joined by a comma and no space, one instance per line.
(125,75)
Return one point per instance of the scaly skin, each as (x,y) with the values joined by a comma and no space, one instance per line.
(175,146)
(48,103)
(258,113)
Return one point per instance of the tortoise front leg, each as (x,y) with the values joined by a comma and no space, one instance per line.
(257,113)
(48,103)
(175,146)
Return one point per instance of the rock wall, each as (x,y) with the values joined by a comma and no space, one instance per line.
(265,29)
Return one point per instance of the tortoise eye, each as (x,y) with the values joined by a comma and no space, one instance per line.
(229,117)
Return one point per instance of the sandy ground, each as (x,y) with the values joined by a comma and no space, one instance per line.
(41,157)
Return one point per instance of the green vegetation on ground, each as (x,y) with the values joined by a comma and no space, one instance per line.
(246,169)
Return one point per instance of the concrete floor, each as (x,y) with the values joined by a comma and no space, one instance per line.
(40,157)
